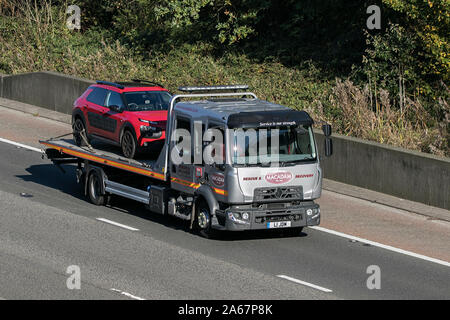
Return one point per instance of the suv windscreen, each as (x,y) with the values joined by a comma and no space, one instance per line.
(284,145)
(147,100)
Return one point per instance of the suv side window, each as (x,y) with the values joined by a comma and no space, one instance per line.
(97,96)
(114,99)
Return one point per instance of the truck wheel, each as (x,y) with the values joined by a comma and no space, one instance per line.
(129,144)
(78,130)
(95,190)
(202,222)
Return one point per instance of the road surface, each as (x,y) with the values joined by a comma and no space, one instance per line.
(47,225)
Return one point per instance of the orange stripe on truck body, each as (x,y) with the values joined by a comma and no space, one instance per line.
(112,163)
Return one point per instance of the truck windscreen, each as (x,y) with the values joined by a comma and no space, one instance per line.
(283,145)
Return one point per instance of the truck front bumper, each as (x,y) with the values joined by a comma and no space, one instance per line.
(306,214)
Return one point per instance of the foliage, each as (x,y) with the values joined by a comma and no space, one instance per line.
(289,52)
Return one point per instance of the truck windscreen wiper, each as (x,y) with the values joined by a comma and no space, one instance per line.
(293,163)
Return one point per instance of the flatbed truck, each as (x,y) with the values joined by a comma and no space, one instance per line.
(247,190)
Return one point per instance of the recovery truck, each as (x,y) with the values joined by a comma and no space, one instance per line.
(241,193)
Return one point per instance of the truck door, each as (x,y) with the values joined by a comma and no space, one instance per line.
(215,172)
(182,173)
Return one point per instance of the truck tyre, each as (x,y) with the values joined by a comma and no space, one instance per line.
(129,144)
(202,222)
(79,129)
(95,190)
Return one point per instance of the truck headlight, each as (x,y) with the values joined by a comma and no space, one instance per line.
(245,216)
(236,217)
(309,212)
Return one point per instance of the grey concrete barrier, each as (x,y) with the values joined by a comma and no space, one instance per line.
(406,174)
(403,173)
(49,90)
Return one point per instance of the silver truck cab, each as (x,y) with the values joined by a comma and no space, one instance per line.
(250,184)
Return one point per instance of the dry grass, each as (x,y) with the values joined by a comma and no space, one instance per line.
(407,128)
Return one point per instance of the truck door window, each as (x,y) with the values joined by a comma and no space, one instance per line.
(185,125)
(218,152)
(197,143)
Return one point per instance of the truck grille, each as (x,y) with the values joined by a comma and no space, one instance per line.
(291,217)
(277,194)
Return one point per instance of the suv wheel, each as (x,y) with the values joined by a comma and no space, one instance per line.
(129,144)
(80,133)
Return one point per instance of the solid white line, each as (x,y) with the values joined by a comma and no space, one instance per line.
(20,145)
(117,224)
(127,294)
(384,246)
(304,283)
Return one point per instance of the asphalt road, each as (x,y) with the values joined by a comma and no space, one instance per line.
(52,226)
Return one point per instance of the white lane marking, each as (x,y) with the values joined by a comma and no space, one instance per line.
(384,246)
(304,283)
(129,295)
(20,145)
(117,224)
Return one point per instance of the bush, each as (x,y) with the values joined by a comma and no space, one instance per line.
(33,37)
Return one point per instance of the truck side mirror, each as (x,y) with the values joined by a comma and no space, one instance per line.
(328,147)
(326,128)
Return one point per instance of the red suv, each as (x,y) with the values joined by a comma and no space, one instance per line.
(131,115)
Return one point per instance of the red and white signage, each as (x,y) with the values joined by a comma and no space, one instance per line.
(218,179)
(279,177)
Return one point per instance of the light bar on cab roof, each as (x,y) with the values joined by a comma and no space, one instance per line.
(214,88)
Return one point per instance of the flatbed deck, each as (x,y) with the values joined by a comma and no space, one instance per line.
(107,155)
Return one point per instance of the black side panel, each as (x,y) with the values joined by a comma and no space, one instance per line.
(102,122)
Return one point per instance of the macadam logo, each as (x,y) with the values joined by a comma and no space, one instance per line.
(279,177)
(218,180)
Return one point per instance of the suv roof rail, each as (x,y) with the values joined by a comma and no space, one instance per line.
(147,81)
(215,88)
(113,84)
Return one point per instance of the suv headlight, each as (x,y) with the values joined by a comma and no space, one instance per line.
(148,121)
